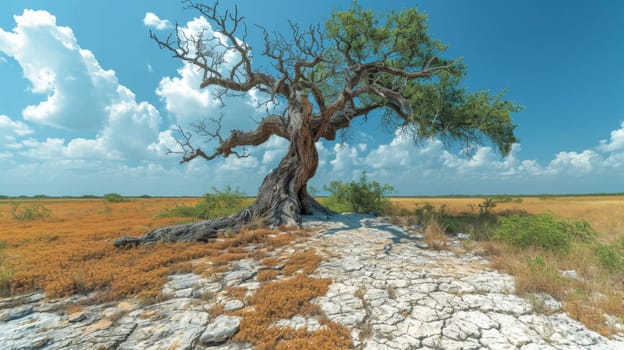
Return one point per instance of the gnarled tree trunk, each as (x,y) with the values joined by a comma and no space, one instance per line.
(282,198)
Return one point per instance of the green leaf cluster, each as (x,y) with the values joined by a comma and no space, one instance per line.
(432,106)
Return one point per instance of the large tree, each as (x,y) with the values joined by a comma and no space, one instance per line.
(360,64)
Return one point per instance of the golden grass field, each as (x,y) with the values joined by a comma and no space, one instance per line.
(604,213)
(71,251)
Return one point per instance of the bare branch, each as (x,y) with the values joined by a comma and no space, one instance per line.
(271,125)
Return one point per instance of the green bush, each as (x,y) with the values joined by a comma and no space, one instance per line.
(611,256)
(542,231)
(115,198)
(29,212)
(357,196)
(212,205)
(428,213)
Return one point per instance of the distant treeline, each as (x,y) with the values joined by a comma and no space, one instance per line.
(496,196)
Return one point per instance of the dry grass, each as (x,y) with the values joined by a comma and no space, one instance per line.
(284,299)
(587,299)
(266,275)
(604,213)
(305,262)
(435,236)
(72,252)
(598,289)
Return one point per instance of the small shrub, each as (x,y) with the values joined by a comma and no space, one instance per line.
(115,198)
(213,205)
(428,213)
(541,231)
(435,236)
(487,206)
(611,256)
(357,196)
(30,212)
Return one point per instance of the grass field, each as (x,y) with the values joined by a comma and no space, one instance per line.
(598,290)
(65,246)
(604,213)
(71,250)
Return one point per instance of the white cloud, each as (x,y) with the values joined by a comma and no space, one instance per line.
(433,169)
(573,162)
(151,20)
(273,150)
(10,127)
(166,141)
(10,131)
(187,103)
(81,96)
(615,143)
(76,89)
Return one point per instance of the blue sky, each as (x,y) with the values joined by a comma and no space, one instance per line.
(88,104)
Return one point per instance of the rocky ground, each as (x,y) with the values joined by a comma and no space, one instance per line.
(388,289)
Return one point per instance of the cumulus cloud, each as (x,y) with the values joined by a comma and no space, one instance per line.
(11,127)
(81,96)
(615,143)
(187,103)
(151,20)
(431,168)
(76,89)
(11,131)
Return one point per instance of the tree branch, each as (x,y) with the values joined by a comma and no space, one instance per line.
(271,125)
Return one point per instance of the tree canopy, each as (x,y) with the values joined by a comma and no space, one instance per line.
(360,64)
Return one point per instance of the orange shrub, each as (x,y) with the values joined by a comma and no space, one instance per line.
(281,300)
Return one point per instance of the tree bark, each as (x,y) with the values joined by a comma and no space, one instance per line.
(282,197)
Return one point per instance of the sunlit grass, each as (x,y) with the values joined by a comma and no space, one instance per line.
(598,261)
(71,251)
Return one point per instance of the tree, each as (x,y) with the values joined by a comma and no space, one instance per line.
(358,65)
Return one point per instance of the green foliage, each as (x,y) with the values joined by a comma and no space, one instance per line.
(542,231)
(507,199)
(212,205)
(115,198)
(485,207)
(611,256)
(542,270)
(357,196)
(434,104)
(536,263)
(428,213)
(29,212)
